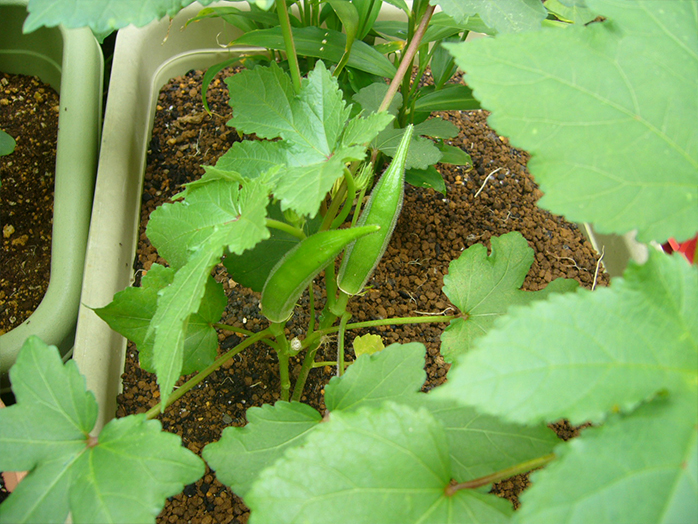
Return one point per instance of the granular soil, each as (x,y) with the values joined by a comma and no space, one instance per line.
(492,197)
(28,113)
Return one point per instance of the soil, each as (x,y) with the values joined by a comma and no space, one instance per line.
(29,113)
(494,196)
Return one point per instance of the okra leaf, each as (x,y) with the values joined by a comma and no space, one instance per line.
(214,217)
(506,16)
(253,158)
(7,143)
(428,177)
(371,97)
(179,229)
(242,453)
(396,373)
(387,464)
(363,129)
(102,16)
(606,151)
(641,467)
(132,310)
(482,444)
(367,344)
(436,128)
(485,287)
(582,355)
(575,12)
(448,98)
(48,433)
(421,154)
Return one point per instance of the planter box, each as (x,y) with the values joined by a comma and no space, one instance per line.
(145,59)
(71,62)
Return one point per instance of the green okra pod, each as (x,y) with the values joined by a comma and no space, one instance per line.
(300,265)
(383,209)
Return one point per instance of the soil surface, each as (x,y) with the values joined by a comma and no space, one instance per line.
(493,197)
(29,113)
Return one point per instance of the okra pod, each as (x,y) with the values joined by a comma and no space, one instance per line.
(383,209)
(300,265)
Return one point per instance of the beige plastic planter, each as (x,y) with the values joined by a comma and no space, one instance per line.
(71,62)
(144,60)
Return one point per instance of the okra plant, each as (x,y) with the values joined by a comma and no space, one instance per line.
(605,103)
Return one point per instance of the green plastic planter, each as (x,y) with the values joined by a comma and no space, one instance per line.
(71,62)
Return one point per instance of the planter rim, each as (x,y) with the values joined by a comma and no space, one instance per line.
(76,71)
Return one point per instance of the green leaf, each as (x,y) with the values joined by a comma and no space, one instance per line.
(421,154)
(448,98)
(102,16)
(485,287)
(368,344)
(454,155)
(214,217)
(605,148)
(396,373)
(482,444)
(311,125)
(363,129)
(371,97)
(506,16)
(178,229)
(428,177)
(386,465)
(640,468)
(128,475)
(436,127)
(7,143)
(47,432)
(325,44)
(582,355)
(132,310)
(242,453)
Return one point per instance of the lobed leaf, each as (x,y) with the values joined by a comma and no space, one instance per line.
(242,453)
(605,148)
(396,374)
(47,432)
(132,310)
(485,287)
(640,468)
(582,355)
(102,16)
(376,465)
(505,16)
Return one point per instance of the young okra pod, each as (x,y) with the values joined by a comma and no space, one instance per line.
(383,209)
(300,265)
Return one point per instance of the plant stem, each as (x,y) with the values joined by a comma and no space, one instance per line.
(340,343)
(406,61)
(436,319)
(233,329)
(500,475)
(201,375)
(326,320)
(287,228)
(285,23)
(282,351)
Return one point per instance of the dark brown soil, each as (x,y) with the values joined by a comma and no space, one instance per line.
(29,113)
(493,197)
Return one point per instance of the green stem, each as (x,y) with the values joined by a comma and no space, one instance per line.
(233,329)
(199,377)
(287,228)
(340,343)
(382,322)
(407,57)
(277,329)
(285,23)
(500,475)
(348,201)
(326,320)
